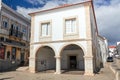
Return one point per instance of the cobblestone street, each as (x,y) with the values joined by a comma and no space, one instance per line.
(104,74)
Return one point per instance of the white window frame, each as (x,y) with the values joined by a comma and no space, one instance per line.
(71,26)
(47,29)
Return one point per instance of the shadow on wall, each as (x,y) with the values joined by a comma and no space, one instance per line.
(7,65)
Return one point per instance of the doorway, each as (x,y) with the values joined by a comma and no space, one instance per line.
(73,62)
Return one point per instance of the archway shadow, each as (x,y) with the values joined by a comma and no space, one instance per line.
(73,71)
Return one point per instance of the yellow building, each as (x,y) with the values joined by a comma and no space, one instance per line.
(14,36)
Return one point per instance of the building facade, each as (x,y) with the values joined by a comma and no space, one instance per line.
(64,38)
(103,49)
(14,36)
(112,50)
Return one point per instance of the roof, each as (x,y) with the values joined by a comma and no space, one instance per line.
(112,46)
(101,37)
(62,6)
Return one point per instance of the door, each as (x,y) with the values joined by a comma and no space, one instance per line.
(22,59)
(73,62)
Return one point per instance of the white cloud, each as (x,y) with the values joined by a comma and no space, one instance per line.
(108,18)
(25,11)
(36,2)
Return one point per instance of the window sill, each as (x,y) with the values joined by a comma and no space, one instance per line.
(45,36)
(71,34)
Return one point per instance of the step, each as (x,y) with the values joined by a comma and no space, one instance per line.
(25,68)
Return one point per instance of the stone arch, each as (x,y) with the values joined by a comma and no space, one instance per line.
(64,45)
(72,57)
(36,50)
(45,58)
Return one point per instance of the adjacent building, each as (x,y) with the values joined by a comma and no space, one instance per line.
(118,48)
(14,37)
(112,50)
(65,38)
(103,49)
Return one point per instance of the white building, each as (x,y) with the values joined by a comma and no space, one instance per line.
(14,37)
(103,49)
(64,38)
(112,50)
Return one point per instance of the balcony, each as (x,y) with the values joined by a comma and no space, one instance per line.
(15,33)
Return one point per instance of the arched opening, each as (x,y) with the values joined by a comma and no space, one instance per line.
(72,58)
(45,60)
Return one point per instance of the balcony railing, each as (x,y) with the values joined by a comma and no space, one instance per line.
(15,33)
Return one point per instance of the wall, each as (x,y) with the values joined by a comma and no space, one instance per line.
(6,65)
(57,21)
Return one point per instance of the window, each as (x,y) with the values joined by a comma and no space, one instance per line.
(8,54)
(5,22)
(13,53)
(45,29)
(24,30)
(70,26)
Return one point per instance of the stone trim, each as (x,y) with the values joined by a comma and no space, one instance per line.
(45,38)
(88,24)
(59,41)
(63,46)
(37,49)
(32,28)
(72,35)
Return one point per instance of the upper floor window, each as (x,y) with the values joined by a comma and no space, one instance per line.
(45,29)
(70,26)
(24,30)
(5,22)
(18,27)
(13,26)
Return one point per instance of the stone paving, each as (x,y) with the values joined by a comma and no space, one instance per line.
(104,74)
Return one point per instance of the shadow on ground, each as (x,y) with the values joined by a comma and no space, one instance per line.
(6,78)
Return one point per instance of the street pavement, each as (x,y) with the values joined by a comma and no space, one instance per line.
(104,74)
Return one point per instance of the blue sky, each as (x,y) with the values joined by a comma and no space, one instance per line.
(23,3)
(107,13)
(35,3)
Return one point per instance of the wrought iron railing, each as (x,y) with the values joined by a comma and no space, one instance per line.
(15,33)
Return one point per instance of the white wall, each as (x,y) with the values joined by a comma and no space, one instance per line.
(57,18)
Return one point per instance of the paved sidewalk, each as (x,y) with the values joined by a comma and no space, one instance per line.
(104,74)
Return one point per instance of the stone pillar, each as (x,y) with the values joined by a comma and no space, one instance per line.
(88,65)
(58,65)
(32,65)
